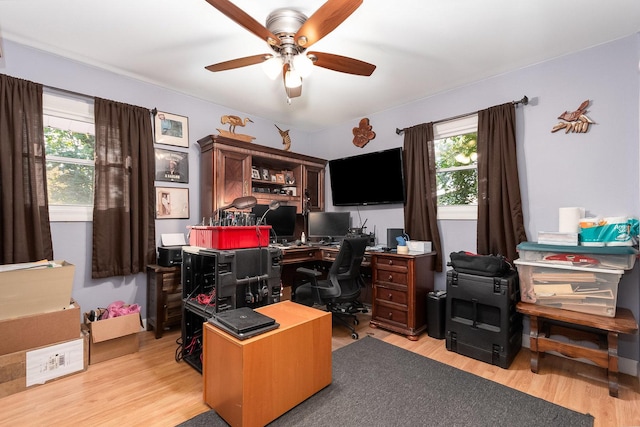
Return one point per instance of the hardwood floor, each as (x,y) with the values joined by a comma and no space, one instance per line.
(150,388)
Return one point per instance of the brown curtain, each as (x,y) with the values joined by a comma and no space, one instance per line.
(500,221)
(421,208)
(123,211)
(25,233)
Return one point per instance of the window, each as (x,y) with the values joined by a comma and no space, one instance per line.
(69,134)
(457,167)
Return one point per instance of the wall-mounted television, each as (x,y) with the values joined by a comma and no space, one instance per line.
(368,179)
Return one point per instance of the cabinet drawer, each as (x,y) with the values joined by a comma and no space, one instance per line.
(391,295)
(170,280)
(396,277)
(394,263)
(387,314)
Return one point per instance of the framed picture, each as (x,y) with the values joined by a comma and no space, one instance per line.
(172,166)
(265,174)
(171,129)
(255,173)
(280,178)
(288,178)
(172,202)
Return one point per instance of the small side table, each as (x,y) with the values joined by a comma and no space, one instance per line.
(164,298)
(604,331)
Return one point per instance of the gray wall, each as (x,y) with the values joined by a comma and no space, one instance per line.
(597,170)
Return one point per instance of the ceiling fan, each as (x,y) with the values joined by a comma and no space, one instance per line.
(290,33)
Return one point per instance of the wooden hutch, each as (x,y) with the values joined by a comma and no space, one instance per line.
(228,170)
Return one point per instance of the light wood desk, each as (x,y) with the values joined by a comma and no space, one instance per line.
(253,382)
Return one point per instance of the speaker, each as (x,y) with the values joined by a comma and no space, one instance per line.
(436,314)
(392,233)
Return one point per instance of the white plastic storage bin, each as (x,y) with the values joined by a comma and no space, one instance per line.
(585,289)
(614,257)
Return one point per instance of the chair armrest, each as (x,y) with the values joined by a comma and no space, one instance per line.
(308,272)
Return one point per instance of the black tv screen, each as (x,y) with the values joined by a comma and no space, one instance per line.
(368,179)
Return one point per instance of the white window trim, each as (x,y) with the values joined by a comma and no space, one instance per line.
(452,128)
(66,105)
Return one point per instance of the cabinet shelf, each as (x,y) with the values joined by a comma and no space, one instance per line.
(226,167)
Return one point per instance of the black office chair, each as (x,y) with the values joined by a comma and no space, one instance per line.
(339,292)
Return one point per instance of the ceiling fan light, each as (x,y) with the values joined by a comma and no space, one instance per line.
(292,79)
(272,67)
(303,65)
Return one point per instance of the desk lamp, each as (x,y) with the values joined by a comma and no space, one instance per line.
(273,205)
(244,202)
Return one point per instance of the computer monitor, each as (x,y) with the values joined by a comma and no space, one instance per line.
(281,220)
(329,225)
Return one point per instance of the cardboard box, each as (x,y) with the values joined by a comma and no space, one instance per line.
(34,290)
(111,338)
(30,368)
(38,330)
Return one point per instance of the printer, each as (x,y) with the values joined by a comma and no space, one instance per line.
(170,253)
(168,256)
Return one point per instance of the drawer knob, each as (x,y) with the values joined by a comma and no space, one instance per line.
(390,262)
(390,316)
(390,297)
(390,277)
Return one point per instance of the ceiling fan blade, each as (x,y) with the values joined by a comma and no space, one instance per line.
(238,15)
(240,62)
(342,64)
(292,92)
(324,20)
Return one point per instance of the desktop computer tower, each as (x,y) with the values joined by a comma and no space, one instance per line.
(481,317)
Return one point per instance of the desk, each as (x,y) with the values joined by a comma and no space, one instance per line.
(579,326)
(399,284)
(253,382)
(320,257)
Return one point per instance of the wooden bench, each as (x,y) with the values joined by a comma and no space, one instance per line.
(545,321)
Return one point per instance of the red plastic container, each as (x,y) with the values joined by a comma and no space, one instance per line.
(233,237)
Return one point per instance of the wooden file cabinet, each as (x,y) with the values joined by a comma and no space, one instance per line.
(400,287)
(164,297)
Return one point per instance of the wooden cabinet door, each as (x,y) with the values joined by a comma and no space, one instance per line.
(232,177)
(313,184)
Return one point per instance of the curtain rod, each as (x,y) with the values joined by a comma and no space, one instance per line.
(523,101)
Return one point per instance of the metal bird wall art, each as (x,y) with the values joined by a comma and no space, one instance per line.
(574,121)
(286,139)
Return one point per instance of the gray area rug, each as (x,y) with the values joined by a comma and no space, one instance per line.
(378,384)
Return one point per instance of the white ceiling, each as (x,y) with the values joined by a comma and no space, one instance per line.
(420,47)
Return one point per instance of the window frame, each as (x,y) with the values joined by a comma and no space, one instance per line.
(74,107)
(453,127)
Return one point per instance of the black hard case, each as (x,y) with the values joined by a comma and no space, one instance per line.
(481,317)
